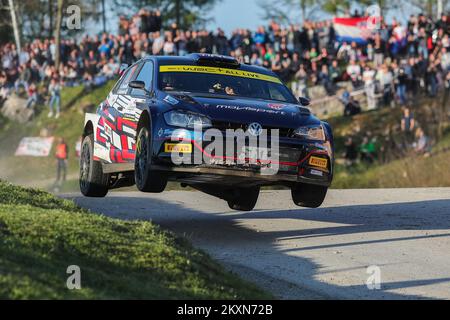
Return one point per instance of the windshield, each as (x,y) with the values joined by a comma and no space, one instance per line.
(220,81)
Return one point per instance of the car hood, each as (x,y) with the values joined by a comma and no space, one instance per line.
(241,110)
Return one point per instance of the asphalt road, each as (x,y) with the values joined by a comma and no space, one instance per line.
(313,254)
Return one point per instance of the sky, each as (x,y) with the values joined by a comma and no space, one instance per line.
(233,14)
(227,14)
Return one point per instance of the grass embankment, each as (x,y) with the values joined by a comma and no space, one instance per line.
(405,171)
(413,172)
(41,236)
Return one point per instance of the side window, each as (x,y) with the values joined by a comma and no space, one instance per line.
(276,94)
(123,86)
(146,75)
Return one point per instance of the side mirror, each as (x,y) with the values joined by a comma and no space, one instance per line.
(140,85)
(304,102)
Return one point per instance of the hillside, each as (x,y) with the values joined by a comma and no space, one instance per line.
(406,170)
(42,236)
(395,166)
(40,172)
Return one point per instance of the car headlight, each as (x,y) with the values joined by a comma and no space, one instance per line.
(311,133)
(186,120)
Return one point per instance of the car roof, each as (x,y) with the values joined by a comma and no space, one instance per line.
(192,60)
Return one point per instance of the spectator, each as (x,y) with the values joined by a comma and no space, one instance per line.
(367,150)
(300,86)
(402,82)
(408,122)
(354,72)
(55,98)
(352,107)
(61,155)
(325,80)
(24,77)
(351,152)
(32,96)
(422,144)
(369,87)
(385,79)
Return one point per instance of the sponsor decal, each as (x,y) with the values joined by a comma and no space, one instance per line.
(251,109)
(171,100)
(221,71)
(178,148)
(316,173)
(318,162)
(276,106)
(35,147)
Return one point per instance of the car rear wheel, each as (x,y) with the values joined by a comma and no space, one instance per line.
(244,199)
(308,195)
(93,183)
(147,180)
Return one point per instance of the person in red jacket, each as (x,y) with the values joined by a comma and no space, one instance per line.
(61,155)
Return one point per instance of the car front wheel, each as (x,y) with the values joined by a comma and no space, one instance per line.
(147,180)
(93,183)
(309,196)
(244,199)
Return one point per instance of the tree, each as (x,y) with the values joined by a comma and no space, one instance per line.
(336,6)
(59,15)
(282,10)
(36,19)
(15,26)
(186,13)
(6,31)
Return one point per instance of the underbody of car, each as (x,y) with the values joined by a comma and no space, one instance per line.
(210,123)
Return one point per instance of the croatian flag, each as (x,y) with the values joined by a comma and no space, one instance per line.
(352,30)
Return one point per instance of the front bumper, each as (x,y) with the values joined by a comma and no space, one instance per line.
(234,176)
(294,165)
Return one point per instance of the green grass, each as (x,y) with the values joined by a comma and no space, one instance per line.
(40,236)
(411,172)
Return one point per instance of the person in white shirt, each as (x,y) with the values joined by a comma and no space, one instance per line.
(369,87)
(354,72)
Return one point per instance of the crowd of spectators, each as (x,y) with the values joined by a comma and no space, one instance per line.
(397,62)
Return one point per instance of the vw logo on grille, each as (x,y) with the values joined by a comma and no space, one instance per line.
(255,129)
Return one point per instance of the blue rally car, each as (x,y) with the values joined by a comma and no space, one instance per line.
(130,139)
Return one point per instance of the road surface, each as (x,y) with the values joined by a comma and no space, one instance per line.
(313,254)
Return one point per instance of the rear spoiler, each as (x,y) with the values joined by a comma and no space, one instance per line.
(207,59)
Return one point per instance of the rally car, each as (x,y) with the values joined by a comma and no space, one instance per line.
(162,107)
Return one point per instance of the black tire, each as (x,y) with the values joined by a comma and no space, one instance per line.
(93,183)
(308,195)
(147,180)
(244,199)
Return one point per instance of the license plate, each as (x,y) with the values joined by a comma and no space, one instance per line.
(178,148)
(318,162)
(255,153)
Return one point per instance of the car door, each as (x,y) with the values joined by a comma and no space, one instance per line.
(119,121)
